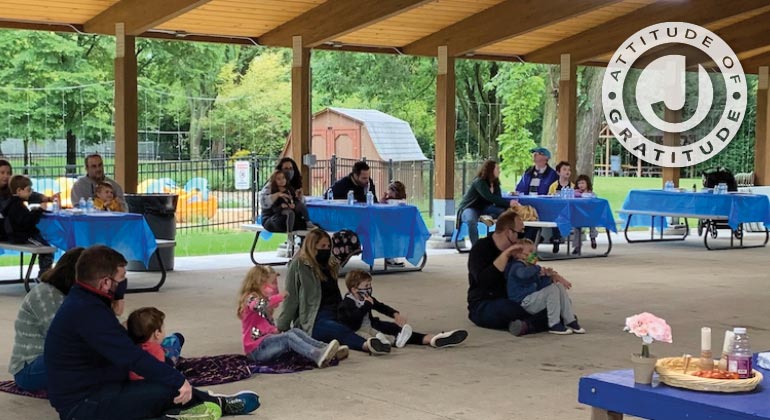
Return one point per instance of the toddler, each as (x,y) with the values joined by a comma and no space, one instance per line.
(105,198)
(262,341)
(584,188)
(355,311)
(536,288)
(145,327)
(396,191)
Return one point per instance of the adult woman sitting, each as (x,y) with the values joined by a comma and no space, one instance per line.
(269,195)
(35,315)
(483,198)
(313,297)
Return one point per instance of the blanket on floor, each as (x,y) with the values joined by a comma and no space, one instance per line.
(211,370)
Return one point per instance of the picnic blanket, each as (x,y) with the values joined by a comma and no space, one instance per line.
(211,370)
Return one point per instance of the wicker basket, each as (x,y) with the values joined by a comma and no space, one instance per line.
(671,372)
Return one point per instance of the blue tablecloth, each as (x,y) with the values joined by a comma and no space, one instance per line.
(386,231)
(738,208)
(127,233)
(616,391)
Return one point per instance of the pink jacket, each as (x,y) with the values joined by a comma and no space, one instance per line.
(257,322)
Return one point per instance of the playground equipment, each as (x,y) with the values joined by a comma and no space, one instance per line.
(194,203)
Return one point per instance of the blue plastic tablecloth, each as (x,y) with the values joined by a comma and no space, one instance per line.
(127,233)
(386,231)
(738,207)
(616,391)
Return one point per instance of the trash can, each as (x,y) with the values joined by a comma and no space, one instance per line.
(159,212)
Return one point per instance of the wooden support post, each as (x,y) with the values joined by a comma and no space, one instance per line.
(672,139)
(300,107)
(566,143)
(126,110)
(761,149)
(445,142)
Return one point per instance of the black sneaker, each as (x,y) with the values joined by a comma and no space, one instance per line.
(377,347)
(559,329)
(576,251)
(449,338)
(575,327)
(556,247)
(593,243)
(518,328)
(244,402)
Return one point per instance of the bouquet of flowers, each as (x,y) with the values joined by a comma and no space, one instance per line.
(649,328)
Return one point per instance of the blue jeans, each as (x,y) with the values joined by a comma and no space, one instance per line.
(294,340)
(327,328)
(132,400)
(32,377)
(498,313)
(470,216)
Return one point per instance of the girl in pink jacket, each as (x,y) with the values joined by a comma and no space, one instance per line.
(262,341)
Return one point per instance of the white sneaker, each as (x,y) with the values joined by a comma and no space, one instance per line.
(384,338)
(403,336)
(328,354)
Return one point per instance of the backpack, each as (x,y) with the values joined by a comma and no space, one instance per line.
(345,244)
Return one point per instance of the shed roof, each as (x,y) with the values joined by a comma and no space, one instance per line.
(392,137)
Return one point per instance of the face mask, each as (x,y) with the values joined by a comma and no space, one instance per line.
(289,174)
(520,235)
(269,290)
(365,292)
(322,256)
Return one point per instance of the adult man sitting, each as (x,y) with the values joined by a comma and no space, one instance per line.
(359,181)
(537,180)
(88,355)
(488,303)
(85,186)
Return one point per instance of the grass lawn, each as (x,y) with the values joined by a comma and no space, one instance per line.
(194,243)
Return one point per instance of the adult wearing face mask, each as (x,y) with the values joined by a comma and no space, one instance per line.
(488,303)
(266,197)
(314,295)
(359,181)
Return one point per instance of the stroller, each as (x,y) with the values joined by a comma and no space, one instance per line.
(712,178)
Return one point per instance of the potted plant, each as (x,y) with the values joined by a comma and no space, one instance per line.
(649,328)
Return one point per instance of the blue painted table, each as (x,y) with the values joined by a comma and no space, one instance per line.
(385,231)
(612,394)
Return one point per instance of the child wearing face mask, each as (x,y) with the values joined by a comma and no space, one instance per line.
(262,342)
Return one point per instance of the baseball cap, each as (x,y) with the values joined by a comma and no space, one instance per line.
(542,151)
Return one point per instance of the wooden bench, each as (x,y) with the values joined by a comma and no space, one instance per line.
(258,229)
(34,250)
(160,243)
(710,222)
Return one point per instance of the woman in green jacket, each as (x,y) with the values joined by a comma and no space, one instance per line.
(483,198)
(314,295)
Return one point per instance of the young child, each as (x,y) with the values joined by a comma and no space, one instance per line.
(355,311)
(20,224)
(262,341)
(564,171)
(396,191)
(536,288)
(584,188)
(284,215)
(105,198)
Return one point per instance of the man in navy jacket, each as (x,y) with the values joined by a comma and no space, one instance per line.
(88,355)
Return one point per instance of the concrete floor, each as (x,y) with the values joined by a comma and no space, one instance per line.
(493,375)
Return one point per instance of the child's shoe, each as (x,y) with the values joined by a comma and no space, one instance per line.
(243,402)
(576,251)
(342,352)
(403,337)
(377,347)
(559,329)
(328,354)
(449,338)
(384,338)
(203,411)
(575,327)
(593,243)
(487,220)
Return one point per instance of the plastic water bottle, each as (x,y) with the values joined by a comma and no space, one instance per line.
(739,359)
(90,205)
(369,198)
(55,205)
(351,198)
(82,203)
(330,195)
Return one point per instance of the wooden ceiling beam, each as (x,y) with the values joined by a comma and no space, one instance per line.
(335,18)
(605,38)
(506,20)
(751,65)
(139,15)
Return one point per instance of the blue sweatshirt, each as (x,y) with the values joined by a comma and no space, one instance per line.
(524,279)
(87,348)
